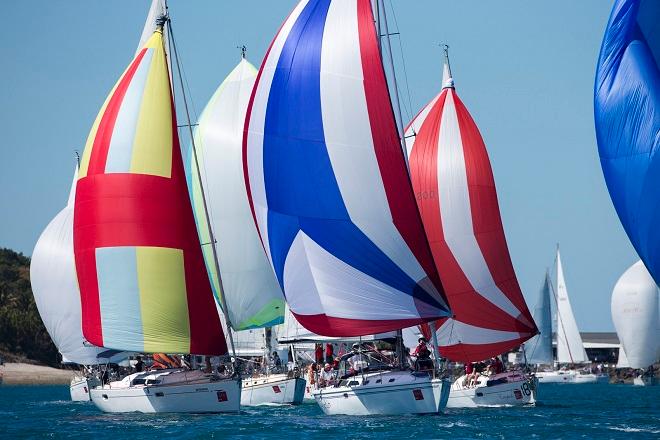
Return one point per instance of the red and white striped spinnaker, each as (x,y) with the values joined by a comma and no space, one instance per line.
(455,192)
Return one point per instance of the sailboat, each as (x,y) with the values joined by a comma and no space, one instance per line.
(538,350)
(570,348)
(56,294)
(637,321)
(456,195)
(627,120)
(332,199)
(139,264)
(252,297)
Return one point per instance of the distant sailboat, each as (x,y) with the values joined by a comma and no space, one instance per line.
(139,264)
(456,195)
(56,294)
(570,348)
(636,319)
(538,350)
(252,296)
(332,199)
(627,119)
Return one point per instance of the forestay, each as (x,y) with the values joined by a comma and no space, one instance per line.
(253,295)
(327,179)
(627,116)
(455,191)
(140,268)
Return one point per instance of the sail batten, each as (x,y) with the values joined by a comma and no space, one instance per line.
(327,179)
(139,264)
(456,196)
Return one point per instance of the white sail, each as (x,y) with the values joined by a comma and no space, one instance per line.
(635,316)
(253,295)
(570,349)
(622,361)
(158,9)
(55,287)
(539,348)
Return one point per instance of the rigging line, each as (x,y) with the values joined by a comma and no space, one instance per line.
(403,63)
(206,211)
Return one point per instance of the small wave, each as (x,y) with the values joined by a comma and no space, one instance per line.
(631,429)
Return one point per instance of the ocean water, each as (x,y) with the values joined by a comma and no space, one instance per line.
(566,412)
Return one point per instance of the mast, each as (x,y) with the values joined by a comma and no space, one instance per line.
(380,8)
(201,186)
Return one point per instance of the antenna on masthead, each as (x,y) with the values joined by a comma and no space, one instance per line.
(447,78)
(243,50)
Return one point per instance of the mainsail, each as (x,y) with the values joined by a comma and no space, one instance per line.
(254,298)
(55,289)
(456,195)
(539,348)
(570,349)
(327,179)
(635,316)
(140,269)
(627,114)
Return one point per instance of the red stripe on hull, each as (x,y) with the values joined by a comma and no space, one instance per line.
(387,146)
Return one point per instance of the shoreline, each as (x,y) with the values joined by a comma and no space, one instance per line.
(29,374)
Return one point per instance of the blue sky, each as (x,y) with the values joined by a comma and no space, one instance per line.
(524,69)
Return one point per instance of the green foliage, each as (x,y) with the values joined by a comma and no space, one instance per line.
(21,331)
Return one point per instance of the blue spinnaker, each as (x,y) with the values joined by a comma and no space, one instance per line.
(627,116)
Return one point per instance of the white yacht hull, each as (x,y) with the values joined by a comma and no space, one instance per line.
(197,395)
(570,377)
(272,389)
(80,386)
(645,381)
(386,393)
(309,397)
(518,390)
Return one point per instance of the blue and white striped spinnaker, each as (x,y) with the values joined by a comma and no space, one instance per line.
(327,179)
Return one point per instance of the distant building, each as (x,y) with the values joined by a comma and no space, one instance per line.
(601,347)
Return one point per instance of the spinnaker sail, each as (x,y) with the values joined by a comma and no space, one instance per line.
(327,179)
(636,317)
(253,295)
(455,191)
(55,288)
(627,116)
(140,268)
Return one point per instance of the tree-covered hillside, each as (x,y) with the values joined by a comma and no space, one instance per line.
(21,331)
